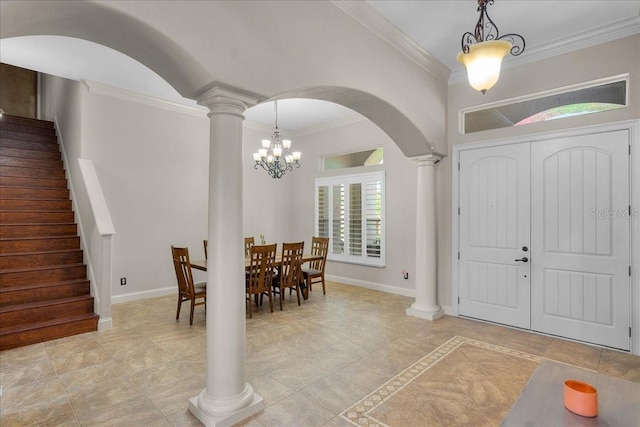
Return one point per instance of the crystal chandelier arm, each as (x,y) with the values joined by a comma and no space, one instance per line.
(487,30)
(274,155)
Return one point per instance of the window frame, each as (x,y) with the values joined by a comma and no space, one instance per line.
(463,112)
(345,181)
(325,160)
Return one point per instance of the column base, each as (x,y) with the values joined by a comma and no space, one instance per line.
(226,420)
(425,313)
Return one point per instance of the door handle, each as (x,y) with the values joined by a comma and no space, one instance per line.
(523,259)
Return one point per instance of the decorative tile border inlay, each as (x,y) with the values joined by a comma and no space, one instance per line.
(358,414)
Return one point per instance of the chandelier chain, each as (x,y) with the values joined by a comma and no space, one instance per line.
(487,30)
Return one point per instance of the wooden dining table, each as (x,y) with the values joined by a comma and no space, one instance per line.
(202,266)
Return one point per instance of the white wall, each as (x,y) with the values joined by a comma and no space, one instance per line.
(152,163)
(153,167)
(354,135)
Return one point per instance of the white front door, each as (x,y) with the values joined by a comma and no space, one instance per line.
(494,232)
(580,238)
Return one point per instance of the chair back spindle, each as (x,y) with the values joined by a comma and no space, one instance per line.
(260,274)
(315,272)
(248,243)
(290,275)
(187,288)
(320,247)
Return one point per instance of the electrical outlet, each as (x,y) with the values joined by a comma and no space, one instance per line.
(123,281)
(405,275)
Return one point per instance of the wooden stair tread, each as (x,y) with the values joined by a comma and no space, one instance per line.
(42,285)
(53,322)
(29,210)
(29,145)
(27,182)
(59,251)
(10,118)
(54,205)
(36,304)
(35,237)
(13,224)
(31,187)
(42,268)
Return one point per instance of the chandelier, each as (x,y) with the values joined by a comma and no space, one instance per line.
(274,155)
(483,50)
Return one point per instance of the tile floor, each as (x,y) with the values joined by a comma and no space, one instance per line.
(310,363)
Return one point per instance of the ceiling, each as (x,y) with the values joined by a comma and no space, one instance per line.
(437,26)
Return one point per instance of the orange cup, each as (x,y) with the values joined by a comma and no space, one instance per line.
(581,398)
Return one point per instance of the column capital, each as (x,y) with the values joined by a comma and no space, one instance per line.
(223,100)
(428,159)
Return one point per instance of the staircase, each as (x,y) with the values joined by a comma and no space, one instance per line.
(44,291)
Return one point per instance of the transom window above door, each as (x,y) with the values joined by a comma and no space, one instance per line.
(587,98)
(370,157)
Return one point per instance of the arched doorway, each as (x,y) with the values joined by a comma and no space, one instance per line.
(197,69)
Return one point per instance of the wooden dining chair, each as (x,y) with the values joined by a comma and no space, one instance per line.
(187,289)
(314,273)
(290,274)
(260,274)
(248,243)
(206,247)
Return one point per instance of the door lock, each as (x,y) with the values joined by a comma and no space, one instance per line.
(523,259)
(525,249)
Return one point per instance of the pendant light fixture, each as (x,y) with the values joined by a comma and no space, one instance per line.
(274,155)
(483,50)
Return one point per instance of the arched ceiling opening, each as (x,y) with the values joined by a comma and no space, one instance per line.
(384,115)
(177,63)
(108,27)
(78,59)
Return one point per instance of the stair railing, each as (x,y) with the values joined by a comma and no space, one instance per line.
(98,232)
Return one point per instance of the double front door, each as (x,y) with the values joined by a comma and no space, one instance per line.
(544,236)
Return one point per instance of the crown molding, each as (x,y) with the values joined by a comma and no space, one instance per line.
(333,124)
(375,22)
(257,126)
(603,34)
(127,95)
(320,127)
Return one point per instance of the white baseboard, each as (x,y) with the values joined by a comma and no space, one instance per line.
(105,323)
(375,286)
(134,296)
(448,310)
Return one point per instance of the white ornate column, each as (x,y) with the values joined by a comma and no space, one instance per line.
(228,398)
(426,304)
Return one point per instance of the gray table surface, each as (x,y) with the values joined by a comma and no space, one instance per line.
(542,401)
